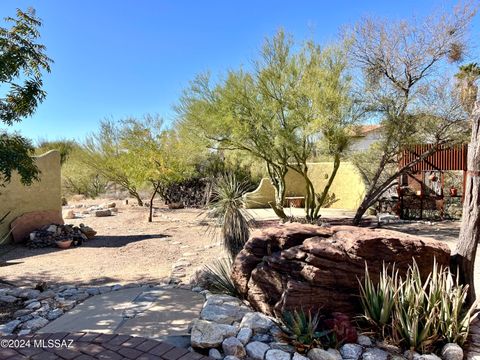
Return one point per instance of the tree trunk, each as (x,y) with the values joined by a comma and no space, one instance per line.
(463,257)
(135,194)
(323,196)
(156,187)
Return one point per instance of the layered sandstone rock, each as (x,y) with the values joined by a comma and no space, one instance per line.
(301,266)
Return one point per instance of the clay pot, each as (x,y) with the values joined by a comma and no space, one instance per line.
(453,191)
(65,244)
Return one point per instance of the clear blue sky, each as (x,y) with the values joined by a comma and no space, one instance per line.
(117,58)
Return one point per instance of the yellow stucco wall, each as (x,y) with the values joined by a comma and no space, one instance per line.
(41,195)
(348,186)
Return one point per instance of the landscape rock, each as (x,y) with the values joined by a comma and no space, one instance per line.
(54,314)
(244,335)
(452,351)
(233,346)
(103,213)
(215,354)
(297,356)
(335,353)
(292,265)
(275,354)
(364,340)
(375,354)
(231,357)
(8,299)
(8,328)
(223,314)
(206,334)
(23,225)
(256,321)
(33,305)
(256,350)
(46,295)
(35,324)
(351,351)
(70,214)
(320,354)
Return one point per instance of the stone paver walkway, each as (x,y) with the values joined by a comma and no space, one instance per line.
(161,313)
(90,346)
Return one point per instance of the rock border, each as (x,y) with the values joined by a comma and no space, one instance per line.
(228,329)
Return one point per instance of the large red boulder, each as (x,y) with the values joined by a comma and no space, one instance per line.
(306,266)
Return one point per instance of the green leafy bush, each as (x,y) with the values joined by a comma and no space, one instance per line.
(417,314)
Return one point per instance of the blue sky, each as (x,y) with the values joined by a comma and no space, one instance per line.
(118,58)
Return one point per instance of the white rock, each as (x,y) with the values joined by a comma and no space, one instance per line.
(206,334)
(244,335)
(35,323)
(52,228)
(256,350)
(364,340)
(335,353)
(452,351)
(233,346)
(320,354)
(66,304)
(8,299)
(426,357)
(8,328)
(275,354)
(46,295)
(54,314)
(24,332)
(69,292)
(297,356)
(215,354)
(92,291)
(256,321)
(351,351)
(33,305)
(375,354)
(223,314)
(231,357)
(69,215)
(117,287)
(29,294)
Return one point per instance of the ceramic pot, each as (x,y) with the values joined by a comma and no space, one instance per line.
(65,244)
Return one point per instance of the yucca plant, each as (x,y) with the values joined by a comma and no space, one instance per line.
(227,208)
(219,279)
(378,301)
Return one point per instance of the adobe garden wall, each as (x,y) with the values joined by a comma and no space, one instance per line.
(348,186)
(40,196)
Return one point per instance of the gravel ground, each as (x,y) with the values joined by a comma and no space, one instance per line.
(129,249)
(126,249)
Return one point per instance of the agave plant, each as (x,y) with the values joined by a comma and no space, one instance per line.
(301,329)
(227,208)
(378,301)
(420,314)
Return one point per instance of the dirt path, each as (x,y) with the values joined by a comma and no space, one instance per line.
(126,249)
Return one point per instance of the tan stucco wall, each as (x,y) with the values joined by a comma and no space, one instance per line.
(348,186)
(41,195)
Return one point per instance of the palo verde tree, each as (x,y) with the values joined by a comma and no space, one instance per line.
(276,112)
(22,61)
(155,155)
(402,64)
(104,153)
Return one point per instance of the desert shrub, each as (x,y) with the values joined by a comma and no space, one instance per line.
(218,278)
(227,207)
(417,314)
(310,329)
